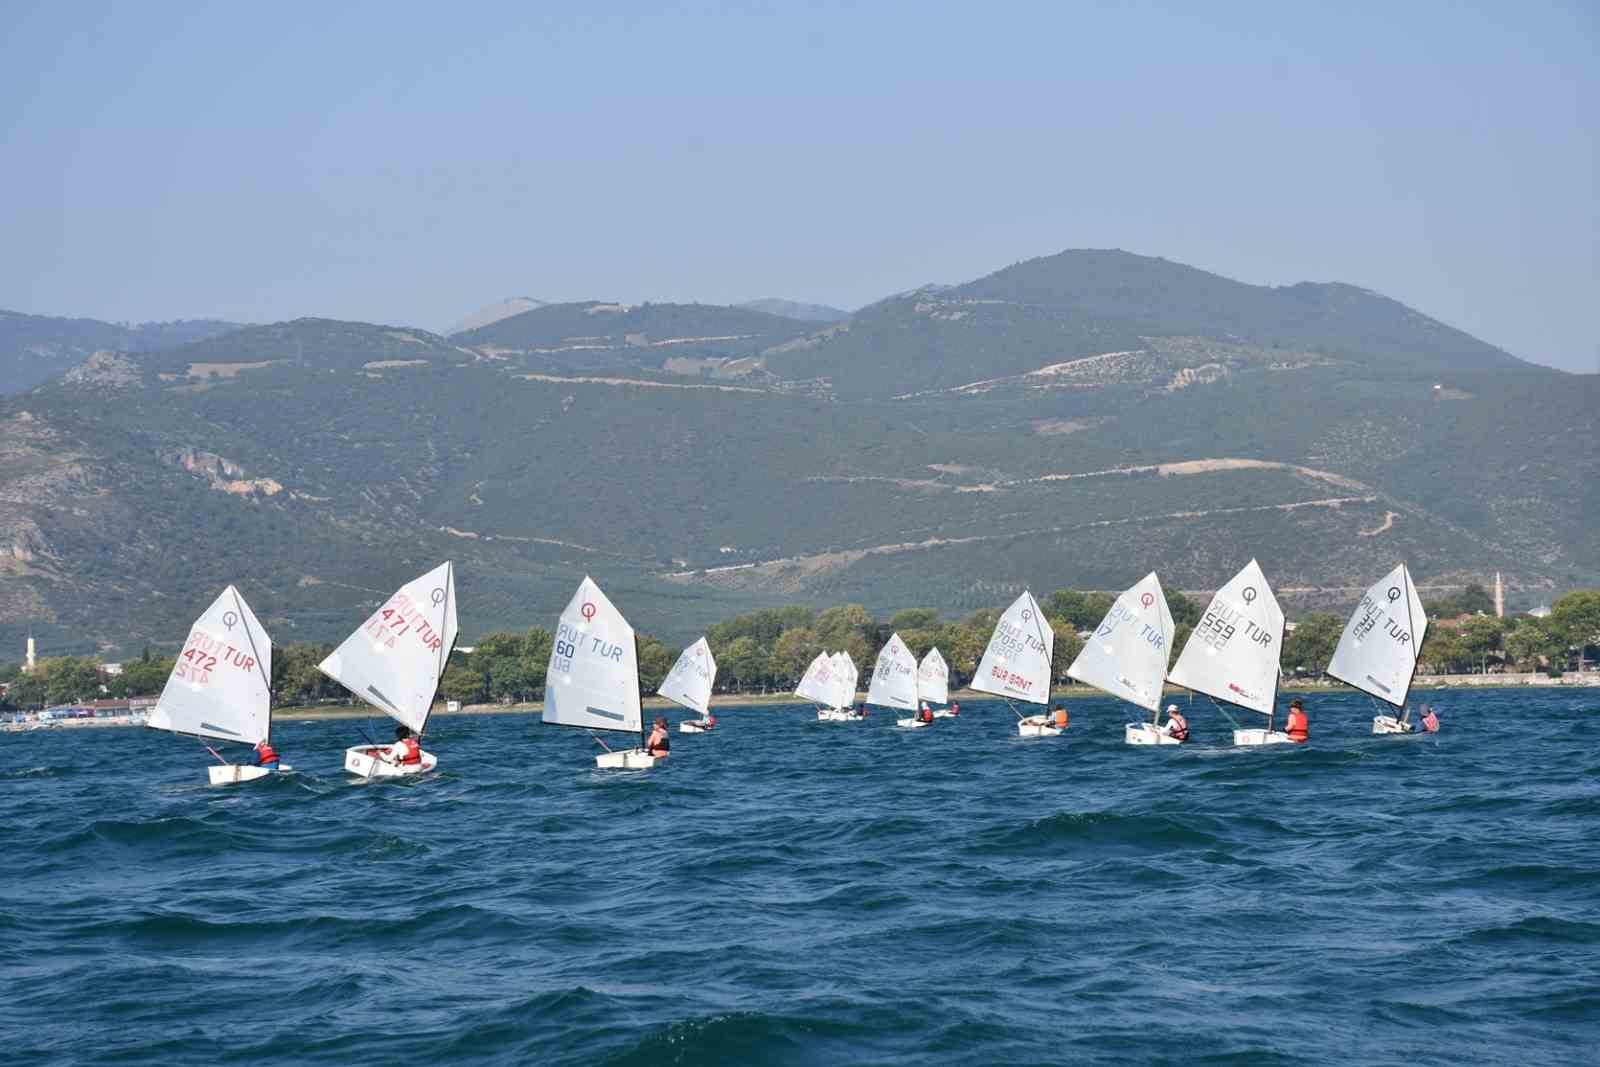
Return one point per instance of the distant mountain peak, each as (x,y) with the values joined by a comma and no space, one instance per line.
(490,313)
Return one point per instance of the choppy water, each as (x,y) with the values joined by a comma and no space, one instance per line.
(794,892)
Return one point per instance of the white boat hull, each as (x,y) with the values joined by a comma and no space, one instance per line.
(944,713)
(229,773)
(360,761)
(693,726)
(911,724)
(837,715)
(1388,724)
(1261,737)
(632,759)
(1037,727)
(1142,733)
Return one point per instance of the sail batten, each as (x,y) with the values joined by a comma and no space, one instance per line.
(1016,664)
(1127,656)
(1377,652)
(394,660)
(1232,655)
(220,685)
(691,678)
(593,677)
(894,677)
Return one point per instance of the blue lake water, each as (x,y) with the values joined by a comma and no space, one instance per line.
(792,892)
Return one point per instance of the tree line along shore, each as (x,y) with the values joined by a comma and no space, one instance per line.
(761,655)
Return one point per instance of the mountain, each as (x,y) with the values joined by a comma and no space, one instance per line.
(502,309)
(970,445)
(35,348)
(791,309)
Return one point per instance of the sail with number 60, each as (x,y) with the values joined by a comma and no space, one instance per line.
(593,677)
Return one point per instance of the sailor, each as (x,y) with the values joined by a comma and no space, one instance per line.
(1430,721)
(955,709)
(660,742)
(861,711)
(1177,725)
(1061,717)
(266,755)
(711,721)
(926,714)
(1298,727)
(405,751)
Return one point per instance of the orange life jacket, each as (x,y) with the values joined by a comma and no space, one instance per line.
(1179,726)
(1298,727)
(927,715)
(1061,718)
(265,754)
(413,751)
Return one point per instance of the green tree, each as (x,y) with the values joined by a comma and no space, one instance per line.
(1185,612)
(914,619)
(1534,644)
(1576,618)
(536,646)
(1480,635)
(792,653)
(464,680)
(743,662)
(1065,649)
(655,660)
(1442,651)
(1083,610)
(1310,647)
(849,628)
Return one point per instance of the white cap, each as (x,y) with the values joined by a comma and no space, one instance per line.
(1172,707)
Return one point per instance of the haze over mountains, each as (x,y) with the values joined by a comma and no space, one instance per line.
(1077,419)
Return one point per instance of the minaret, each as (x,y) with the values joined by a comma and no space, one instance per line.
(1499,597)
(28,664)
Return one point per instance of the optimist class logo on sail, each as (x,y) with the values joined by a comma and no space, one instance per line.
(572,641)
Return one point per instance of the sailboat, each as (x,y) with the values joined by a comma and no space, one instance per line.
(394,661)
(1232,655)
(689,684)
(593,678)
(894,680)
(1016,665)
(821,685)
(1127,657)
(933,683)
(220,686)
(1377,652)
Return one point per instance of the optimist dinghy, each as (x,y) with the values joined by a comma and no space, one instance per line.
(1232,655)
(593,679)
(933,683)
(822,685)
(894,681)
(394,661)
(1016,665)
(220,686)
(1377,652)
(1127,657)
(689,684)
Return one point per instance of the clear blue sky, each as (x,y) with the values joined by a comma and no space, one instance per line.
(407,163)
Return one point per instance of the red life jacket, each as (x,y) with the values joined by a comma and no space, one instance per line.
(927,714)
(413,751)
(711,722)
(265,754)
(1180,727)
(1298,727)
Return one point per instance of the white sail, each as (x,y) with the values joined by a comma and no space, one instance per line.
(1233,653)
(1127,656)
(933,678)
(1378,651)
(894,677)
(593,679)
(820,683)
(221,684)
(689,682)
(394,660)
(845,677)
(1017,662)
